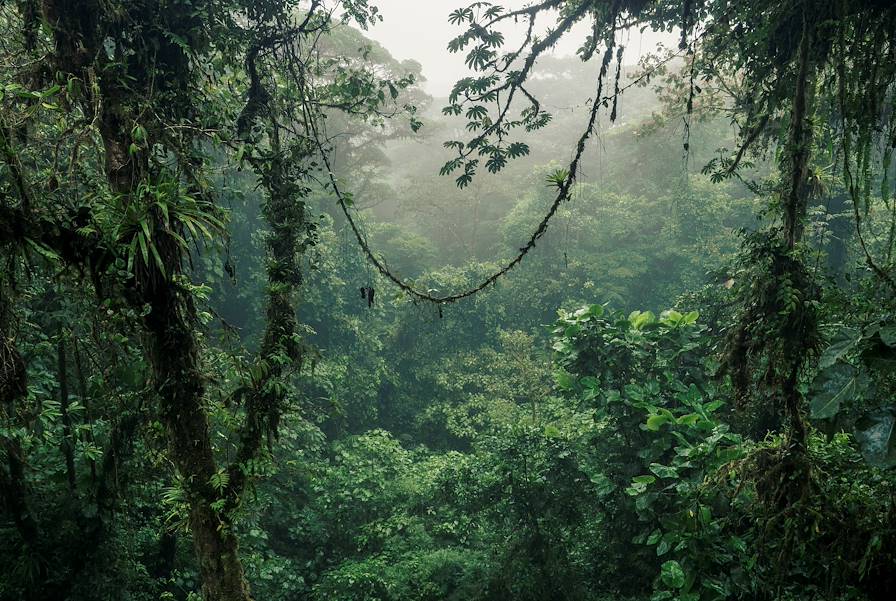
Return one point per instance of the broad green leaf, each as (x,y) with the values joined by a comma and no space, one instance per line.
(672,574)
(159,263)
(671,316)
(888,335)
(596,310)
(705,514)
(590,382)
(688,420)
(655,422)
(42,250)
(144,225)
(690,318)
(144,248)
(572,330)
(564,380)
(712,406)
(842,343)
(663,471)
(639,319)
(875,435)
(602,485)
(833,386)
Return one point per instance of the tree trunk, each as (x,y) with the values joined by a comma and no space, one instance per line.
(173,353)
(79,31)
(174,357)
(796,201)
(85,401)
(840,234)
(68,441)
(13,485)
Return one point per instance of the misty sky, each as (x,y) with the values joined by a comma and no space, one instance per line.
(419,29)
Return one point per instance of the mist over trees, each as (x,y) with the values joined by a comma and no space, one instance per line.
(278,324)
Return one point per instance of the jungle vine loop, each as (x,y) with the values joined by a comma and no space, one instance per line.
(564,187)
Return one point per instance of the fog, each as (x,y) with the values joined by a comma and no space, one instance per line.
(419,30)
(296,306)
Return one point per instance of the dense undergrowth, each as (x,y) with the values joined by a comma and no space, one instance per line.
(229,371)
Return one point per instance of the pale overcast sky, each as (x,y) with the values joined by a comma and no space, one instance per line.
(419,29)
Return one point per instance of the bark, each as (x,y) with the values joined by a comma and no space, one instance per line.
(68,441)
(85,400)
(78,28)
(840,234)
(799,145)
(14,501)
(13,484)
(795,205)
(284,211)
(174,357)
(285,214)
(173,353)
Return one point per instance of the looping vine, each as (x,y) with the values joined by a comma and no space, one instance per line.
(564,185)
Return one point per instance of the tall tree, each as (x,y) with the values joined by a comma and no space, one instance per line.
(145,80)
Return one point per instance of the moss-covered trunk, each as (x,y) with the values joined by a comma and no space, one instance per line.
(796,202)
(121,98)
(13,484)
(280,351)
(174,357)
(173,352)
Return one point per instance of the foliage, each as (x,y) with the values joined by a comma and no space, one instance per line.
(196,401)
